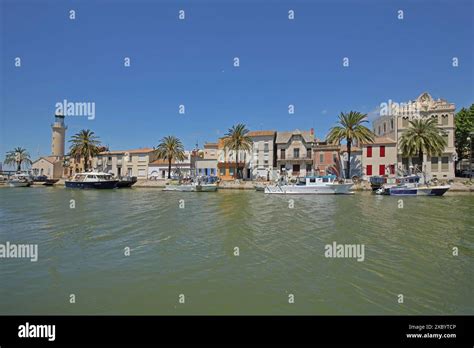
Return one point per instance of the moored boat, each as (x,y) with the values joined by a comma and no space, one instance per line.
(326,184)
(200,184)
(127,181)
(410,186)
(92,180)
(19,180)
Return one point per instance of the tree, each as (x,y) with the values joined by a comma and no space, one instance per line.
(464,122)
(18,156)
(236,139)
(422,136)
(350,128)
(84,145)
(170,148)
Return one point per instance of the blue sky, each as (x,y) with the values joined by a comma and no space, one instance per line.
(190,62)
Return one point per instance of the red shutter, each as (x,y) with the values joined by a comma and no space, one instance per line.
(369,151)
(369,169)
(382,151)
(382,169)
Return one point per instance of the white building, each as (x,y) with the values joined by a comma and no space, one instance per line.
(262,160)
(125,163)
(158,169)
(395,120)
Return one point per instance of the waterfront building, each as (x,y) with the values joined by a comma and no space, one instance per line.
(262,159)
(395,120)
(326,158)
(52,166)
(294,152)
(379,158)
(226,162)
(158,169)
(206,160)
(331,159)
(125,163)
(49,166)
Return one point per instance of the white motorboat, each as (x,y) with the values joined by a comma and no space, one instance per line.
(327,184)
(19,180)
(201,184)
(410,186)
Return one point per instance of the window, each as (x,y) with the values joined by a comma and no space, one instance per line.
(308,168)
(213,172)
(334,157)
(282,167)
(265,147)
(141,172)
(296,168)
(282,154)
(265,162)
(141,158)
(129,172)
(369,169)
(369,151)
(444,120)
(392,169)
(434,164)
(384,127)
(391,124)
(444,164)
(382,169)
(222,171)
(321,157)
(308,153)
(382,151)
(231,171)
(379,130)
(130,158)
(296,153)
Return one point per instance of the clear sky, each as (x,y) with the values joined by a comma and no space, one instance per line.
(190,62)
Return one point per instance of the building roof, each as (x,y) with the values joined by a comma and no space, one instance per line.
(284,137)
(260,133)
(121,152)
(210,145)
(353,148)
(381,140)
(50,159)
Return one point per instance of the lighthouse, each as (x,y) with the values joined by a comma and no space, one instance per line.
(58,136)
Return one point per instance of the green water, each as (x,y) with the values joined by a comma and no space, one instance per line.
(190,251)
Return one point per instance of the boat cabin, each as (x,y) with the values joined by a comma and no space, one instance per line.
(316,180)
(92,177)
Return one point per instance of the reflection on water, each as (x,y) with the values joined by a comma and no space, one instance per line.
(191,251)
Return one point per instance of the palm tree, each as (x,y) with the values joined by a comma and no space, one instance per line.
(170,148)
(18,156)
(236,139)
(350,127)
(86,145)
(422,136)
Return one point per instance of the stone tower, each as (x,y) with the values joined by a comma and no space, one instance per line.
(58,136)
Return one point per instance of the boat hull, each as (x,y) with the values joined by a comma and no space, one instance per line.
(125,184)
(328,189)
(92,185)
(18,184)
(418,191)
